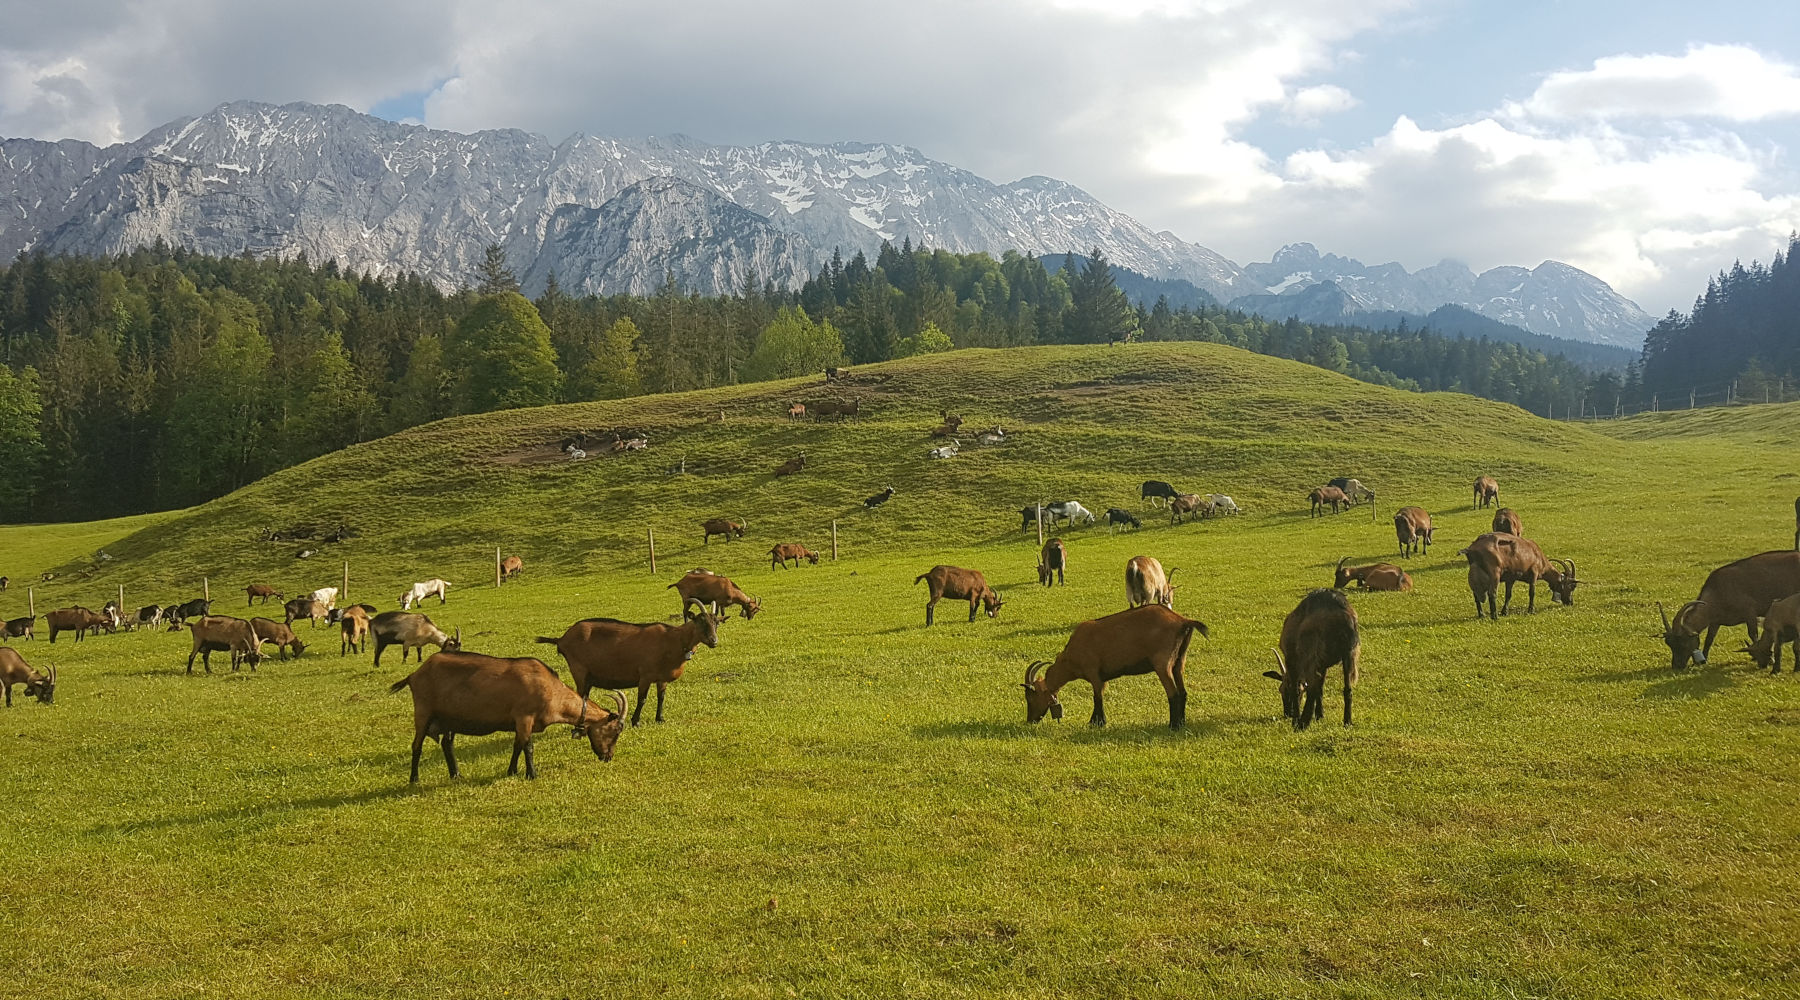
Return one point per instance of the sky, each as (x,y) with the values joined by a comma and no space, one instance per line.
(1650,143)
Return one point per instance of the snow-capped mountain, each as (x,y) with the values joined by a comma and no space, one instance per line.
(383,197)
(1553,298)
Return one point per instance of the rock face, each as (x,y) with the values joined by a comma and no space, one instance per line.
(384,197)
(380,196)
(1553,299)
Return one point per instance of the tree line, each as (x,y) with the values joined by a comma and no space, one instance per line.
(1744,330)
(161,378)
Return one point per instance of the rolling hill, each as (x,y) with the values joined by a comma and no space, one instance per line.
(844,803)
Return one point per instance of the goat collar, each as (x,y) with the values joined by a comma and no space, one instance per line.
(581,720)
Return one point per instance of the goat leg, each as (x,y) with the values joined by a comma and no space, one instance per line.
(1347,690)
(448,742)
(418,745)
(1099,716)
(1711,634)
(643,693)
(530,762)
(662,687)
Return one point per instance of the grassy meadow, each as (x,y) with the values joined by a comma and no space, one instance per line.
(845,804)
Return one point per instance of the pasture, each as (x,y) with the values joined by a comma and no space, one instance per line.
(845,804)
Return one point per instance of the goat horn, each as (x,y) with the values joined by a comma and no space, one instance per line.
(1031,671)
(1665,615)
(1279,662)
(1571,569)
(1682,612)
(619,700)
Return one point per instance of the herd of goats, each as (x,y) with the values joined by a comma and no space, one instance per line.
(459,692)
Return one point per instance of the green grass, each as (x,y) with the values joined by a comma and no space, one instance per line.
(845,804)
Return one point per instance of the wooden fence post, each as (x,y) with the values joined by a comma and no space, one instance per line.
(496,565)
(834,541)
(344,591)
(1040,519)
(652,533)
(31,601)
(121,598)
(206,590)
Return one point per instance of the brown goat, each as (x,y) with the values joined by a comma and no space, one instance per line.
(1734,594)
(1375,576)
(409,630)
(723,526)
(796,410)
(716,591)
(1780,625)
(1321,631)
(14,670)
(283,637)
(1327,495)
(1412,526)
(1496,558)
(1145,583)
(19,628)
(1506,521)
(958,585)
(780,554)
(1143,640)
(304,607)
(510,567)
(471,694)
(790,467)
(1487,491)
(77,620)
(606,652)
(353,631)
(1052,561)
(1187,503)
(224,634)
(262,590)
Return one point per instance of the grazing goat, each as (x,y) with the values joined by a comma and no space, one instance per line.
(353,631)
(77,620)
(1487,491)
(1154,490)
(780,554)
(263,591)
(606,652)
(878,499)
(714,590)
(409,630)
(304,607)
(327,596)
(1143,640)
(722,526)
(433,587)
(1321,631)
(1412,526)
(1734,594)
(1354,491)
(1071,511)
(796,410)
(1375,576)
(1145,583)
(792,465)
(1051,562)
(19,628)
(947,451)
(224,634)
(6,581)
(510,567)
(1222,504)
(14,670)
(283,637)
(1029,515)
(178,614)
(471,694)
(1780,625)
(837,407)
(959,585)
(149,614)
(1498,558)
(1187,503)
(1116,516)
(1323,495)
(1507,522)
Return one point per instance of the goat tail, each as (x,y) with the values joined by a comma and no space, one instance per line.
(546,640)
(395,687)
(1187,638)
(920,577)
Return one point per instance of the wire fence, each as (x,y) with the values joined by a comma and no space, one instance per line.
(1732,393)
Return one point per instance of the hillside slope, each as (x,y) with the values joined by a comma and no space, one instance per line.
(1085,423)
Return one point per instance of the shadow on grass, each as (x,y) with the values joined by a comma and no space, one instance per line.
(264,810)
(1080,732)
(1664,683)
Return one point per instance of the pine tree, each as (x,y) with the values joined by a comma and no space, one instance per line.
(20,440)
(494,274)
(1099,312)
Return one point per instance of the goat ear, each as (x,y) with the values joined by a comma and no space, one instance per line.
(1272,675)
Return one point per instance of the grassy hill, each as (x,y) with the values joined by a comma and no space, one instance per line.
(843,803)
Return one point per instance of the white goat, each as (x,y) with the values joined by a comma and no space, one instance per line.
(947,451)
(1223,504)
(326,596)
(420,591)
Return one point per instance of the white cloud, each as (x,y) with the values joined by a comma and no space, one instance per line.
(1309,104)
(1730,82)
